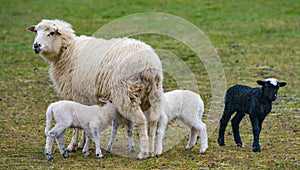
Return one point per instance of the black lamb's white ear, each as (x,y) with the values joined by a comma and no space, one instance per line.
(282,84)
(259,82)
(31,28)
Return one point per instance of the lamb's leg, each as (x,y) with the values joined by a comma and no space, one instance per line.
(96,137)
(192,139)
(203,138)
(60,143)
(48,147)
(114,131)
(161,127)
(74,141)
(256,131)
(129,129)
(198,128)
(85,149)
(223,123)
(235,128)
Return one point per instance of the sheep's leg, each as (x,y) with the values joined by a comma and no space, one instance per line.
(48,147)
(74,141)
(82,140)
(152,133)
(114,131)
(60,143)
(155,100)
(161,127)
(85,149)
(129,129)
(128,105)
(256,131)
(223,123)
(235,128)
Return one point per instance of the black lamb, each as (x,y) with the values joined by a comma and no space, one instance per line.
(257,102)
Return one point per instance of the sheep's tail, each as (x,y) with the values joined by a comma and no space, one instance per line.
(49,114)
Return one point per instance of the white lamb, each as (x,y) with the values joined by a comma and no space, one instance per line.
(92,119)
(124,70)
(186,106)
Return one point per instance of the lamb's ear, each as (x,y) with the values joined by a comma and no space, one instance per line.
(259,82)
(103,100)
(31,28)
(282,84)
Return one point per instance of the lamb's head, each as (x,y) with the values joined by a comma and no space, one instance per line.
(270,87)
(52,37)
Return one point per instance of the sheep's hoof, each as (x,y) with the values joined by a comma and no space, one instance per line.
(72,147)
(132,150)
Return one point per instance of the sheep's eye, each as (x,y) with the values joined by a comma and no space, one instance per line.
(51,33)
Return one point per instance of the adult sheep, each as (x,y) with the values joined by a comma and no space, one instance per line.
(124,70)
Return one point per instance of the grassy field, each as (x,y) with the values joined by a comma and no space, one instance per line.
(254,40)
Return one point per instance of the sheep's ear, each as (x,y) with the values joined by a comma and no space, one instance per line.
(57,32)
(259,82)
(31,28)
(282,84)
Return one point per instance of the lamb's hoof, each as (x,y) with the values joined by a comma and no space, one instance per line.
(66,155)
(188,147)
(86,153)
(108,149)
(240,145)
(256,149)
(221,142)
(49,156)
(202,151)
(142,155)
(98,155)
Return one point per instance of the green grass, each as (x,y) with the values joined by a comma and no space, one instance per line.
(254,39)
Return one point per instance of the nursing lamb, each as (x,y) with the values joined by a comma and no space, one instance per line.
(124,70)
(186,106)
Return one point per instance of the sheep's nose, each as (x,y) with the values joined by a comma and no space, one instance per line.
(37,47)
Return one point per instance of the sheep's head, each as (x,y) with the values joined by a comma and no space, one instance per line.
(51,36)
(270,87)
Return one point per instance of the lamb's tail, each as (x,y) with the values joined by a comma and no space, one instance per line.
(49,114)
